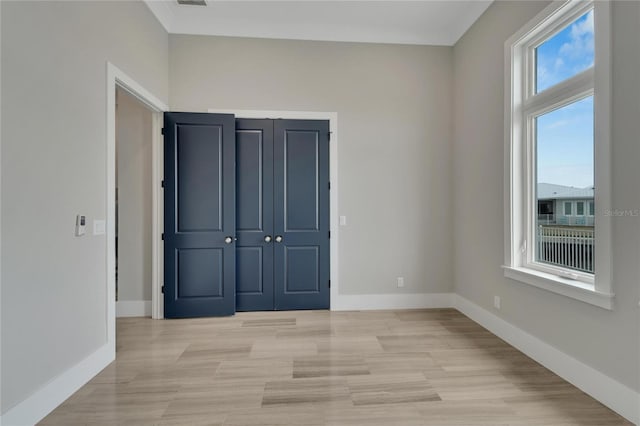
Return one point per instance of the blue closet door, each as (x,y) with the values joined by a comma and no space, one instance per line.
(254,215)
(301,214)
(199,216)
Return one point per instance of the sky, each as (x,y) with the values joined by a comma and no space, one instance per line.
(565,136)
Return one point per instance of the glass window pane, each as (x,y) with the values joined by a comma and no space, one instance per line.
(592,208)
(567,209)
(566,54)
(564,155)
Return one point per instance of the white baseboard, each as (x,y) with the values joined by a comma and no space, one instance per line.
(37,406)
(361,302)
(133,308)
(620,398)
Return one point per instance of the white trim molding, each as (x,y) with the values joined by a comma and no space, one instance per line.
(46,399)
(620,398)
(334,219)
(363,302)
(117,78)
(567,287)
(133,308)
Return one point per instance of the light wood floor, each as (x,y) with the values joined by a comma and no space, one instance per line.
(419,367)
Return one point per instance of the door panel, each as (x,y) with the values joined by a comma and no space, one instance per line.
(198,178)
(301,151)
(301,214)
(301,269)
(199,215)
(254,162)
(200,273)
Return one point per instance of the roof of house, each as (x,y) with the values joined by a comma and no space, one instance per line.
(550,191)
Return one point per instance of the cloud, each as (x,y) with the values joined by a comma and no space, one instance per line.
(580,44)
(559,63)
(567,53)
(556,124)
(584,27)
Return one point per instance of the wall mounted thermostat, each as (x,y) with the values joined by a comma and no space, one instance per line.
(81,225)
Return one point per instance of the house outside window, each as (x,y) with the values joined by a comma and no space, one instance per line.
(557,115)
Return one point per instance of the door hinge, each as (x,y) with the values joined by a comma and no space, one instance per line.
(329,234)
(162,290)
(162,236)
(329,283)
(162,131)
(162,183)
(329,185)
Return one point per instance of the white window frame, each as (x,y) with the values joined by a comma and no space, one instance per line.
(521,107)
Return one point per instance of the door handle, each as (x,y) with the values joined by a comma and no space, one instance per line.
(228,240)
(278,238)
(267,239)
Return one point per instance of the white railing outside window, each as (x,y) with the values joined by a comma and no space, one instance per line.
(566,247)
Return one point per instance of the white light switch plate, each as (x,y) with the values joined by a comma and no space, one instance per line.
(343,220)
(99,227)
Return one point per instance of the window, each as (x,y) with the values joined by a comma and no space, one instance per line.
(557,114)
(567,208)
(565,54)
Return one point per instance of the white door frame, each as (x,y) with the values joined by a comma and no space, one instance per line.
(117,78)
(333,176)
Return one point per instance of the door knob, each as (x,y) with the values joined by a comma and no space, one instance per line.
(267,239)
(278,238)
(228,240)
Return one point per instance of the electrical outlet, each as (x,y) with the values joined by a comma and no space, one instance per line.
(400,282)
(496,302)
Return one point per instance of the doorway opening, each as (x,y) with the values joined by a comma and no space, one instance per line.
(117,79)
(133,224)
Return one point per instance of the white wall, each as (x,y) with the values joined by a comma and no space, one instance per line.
(133,156)
(54,166)
(604,340)
(394,107)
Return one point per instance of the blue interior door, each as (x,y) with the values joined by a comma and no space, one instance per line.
(254,215)
(301,214)
(199,216)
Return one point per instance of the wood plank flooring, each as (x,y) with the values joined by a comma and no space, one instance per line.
(417,367)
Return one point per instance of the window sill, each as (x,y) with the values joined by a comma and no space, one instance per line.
(574,289)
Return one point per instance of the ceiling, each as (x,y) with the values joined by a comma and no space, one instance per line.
(399,22)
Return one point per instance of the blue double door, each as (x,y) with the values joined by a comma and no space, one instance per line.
(246,214)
